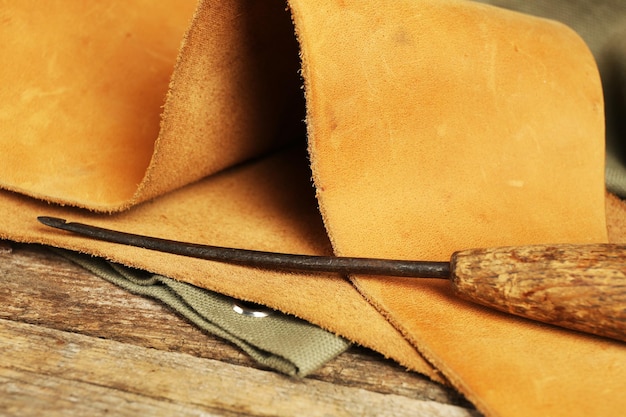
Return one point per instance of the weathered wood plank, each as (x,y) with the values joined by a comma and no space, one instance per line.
(41,288)
(127,377)
(32,394)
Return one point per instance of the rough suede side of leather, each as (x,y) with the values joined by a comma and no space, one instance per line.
(88,82)
(441,125)
(227,100)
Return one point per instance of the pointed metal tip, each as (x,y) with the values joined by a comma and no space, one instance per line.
(52,221)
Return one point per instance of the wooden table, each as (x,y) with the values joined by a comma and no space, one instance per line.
(74,344)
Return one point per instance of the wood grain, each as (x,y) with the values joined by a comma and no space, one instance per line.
(49,305)
(580,287)
(201,385)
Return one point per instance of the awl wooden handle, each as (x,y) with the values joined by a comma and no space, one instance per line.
(580,287)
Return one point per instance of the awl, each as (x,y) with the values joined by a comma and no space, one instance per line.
(579,287)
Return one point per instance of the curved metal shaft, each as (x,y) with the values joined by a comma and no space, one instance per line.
(261,259)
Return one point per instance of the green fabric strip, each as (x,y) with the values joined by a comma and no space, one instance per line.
(278,341)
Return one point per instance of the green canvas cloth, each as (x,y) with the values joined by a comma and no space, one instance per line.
(278,341)
(602,24)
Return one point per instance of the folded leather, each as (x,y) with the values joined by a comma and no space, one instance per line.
(433,126)
(85,84)
(459,125)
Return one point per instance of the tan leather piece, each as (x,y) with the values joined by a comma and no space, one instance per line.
(268,205)
(88,82)
(433,123)
(436,126)
(79,96)
(234,93)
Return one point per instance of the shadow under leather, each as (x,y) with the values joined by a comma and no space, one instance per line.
(612,65)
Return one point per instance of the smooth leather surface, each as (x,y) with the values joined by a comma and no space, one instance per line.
(432,143)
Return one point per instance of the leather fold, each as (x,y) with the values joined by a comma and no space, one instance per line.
(432,125)
(125,101)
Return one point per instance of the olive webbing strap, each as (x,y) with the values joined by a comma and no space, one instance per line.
(275,340)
